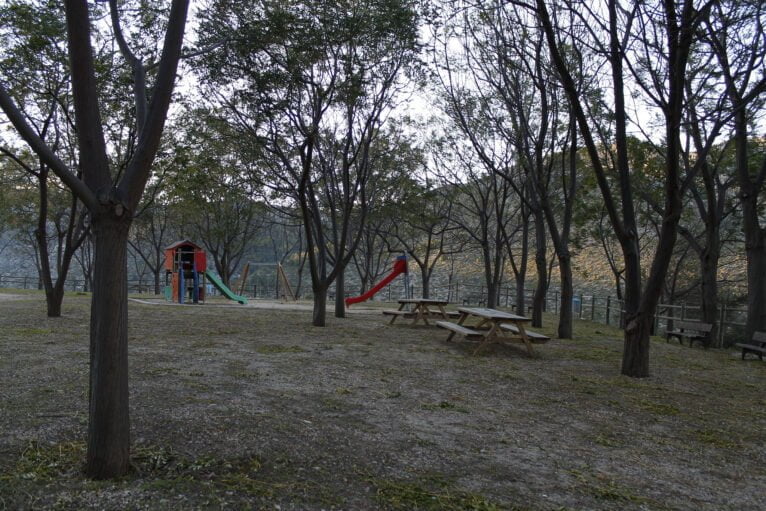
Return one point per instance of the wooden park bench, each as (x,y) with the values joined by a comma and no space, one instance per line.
(534,337)
(692,330)
(758,346)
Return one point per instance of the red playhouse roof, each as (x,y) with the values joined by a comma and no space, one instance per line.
(181,244)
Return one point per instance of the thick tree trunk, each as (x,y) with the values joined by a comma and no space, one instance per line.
(340,294)
(491,294)
(425,282)
(53,299)
(157,289)
(109,425)
(635,356)
(756,287)
(320,306)
(755,236)
(567,294)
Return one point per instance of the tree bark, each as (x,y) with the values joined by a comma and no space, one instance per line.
(567,294)
(755,236)
(320,306)
(709,278)
(425,281)
(541,264)
(340,294)
(635,356)
(109,425)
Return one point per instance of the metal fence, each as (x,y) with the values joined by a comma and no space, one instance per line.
(139,286)
(602,309)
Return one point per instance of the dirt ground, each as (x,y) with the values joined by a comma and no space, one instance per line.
(253,408)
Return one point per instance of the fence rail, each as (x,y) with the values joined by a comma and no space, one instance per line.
(139,286)
(602,309)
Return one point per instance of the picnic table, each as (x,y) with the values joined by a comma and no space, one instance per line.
(493,326)
(421,310)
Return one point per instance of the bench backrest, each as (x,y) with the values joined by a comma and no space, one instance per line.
(759,336)
(693,325)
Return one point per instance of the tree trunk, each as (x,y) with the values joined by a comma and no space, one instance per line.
(755,237)
(53,299)
(157,290)
(320,306)
(521,274)
(709,278)
(635,357)
(491,294)
(567,294)
(520,294)
(425,282)
(109,425)
(541,264)
(340,294)
(756,287)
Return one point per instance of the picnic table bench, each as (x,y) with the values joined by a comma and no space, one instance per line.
(490,327)
(758,346)
(692,330)
(421,311)
(534,337)
(459,329)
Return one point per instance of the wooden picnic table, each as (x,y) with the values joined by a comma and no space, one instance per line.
(490,327)
(421,309)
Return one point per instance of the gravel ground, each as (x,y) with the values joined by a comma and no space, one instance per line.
(248,407)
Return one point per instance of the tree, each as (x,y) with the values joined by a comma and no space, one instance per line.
(482,208)
(320,78)
(36,64)
(736,34)
(150,234)
(111,201)
(212,197)
(673,30)
(510,70)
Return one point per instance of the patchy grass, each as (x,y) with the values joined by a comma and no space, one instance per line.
(239,407)
(428,494)
(276,348)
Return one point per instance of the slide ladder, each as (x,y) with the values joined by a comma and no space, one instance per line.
(400,266)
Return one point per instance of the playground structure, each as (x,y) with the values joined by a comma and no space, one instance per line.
(257,277)
(400,266)
(186,275)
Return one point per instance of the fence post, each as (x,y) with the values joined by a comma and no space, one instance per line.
(593,308)
(556,301)
(580,306)
(683,310)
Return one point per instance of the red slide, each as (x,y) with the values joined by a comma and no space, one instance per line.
(400,266)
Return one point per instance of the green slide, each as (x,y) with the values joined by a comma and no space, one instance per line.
(213,278)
